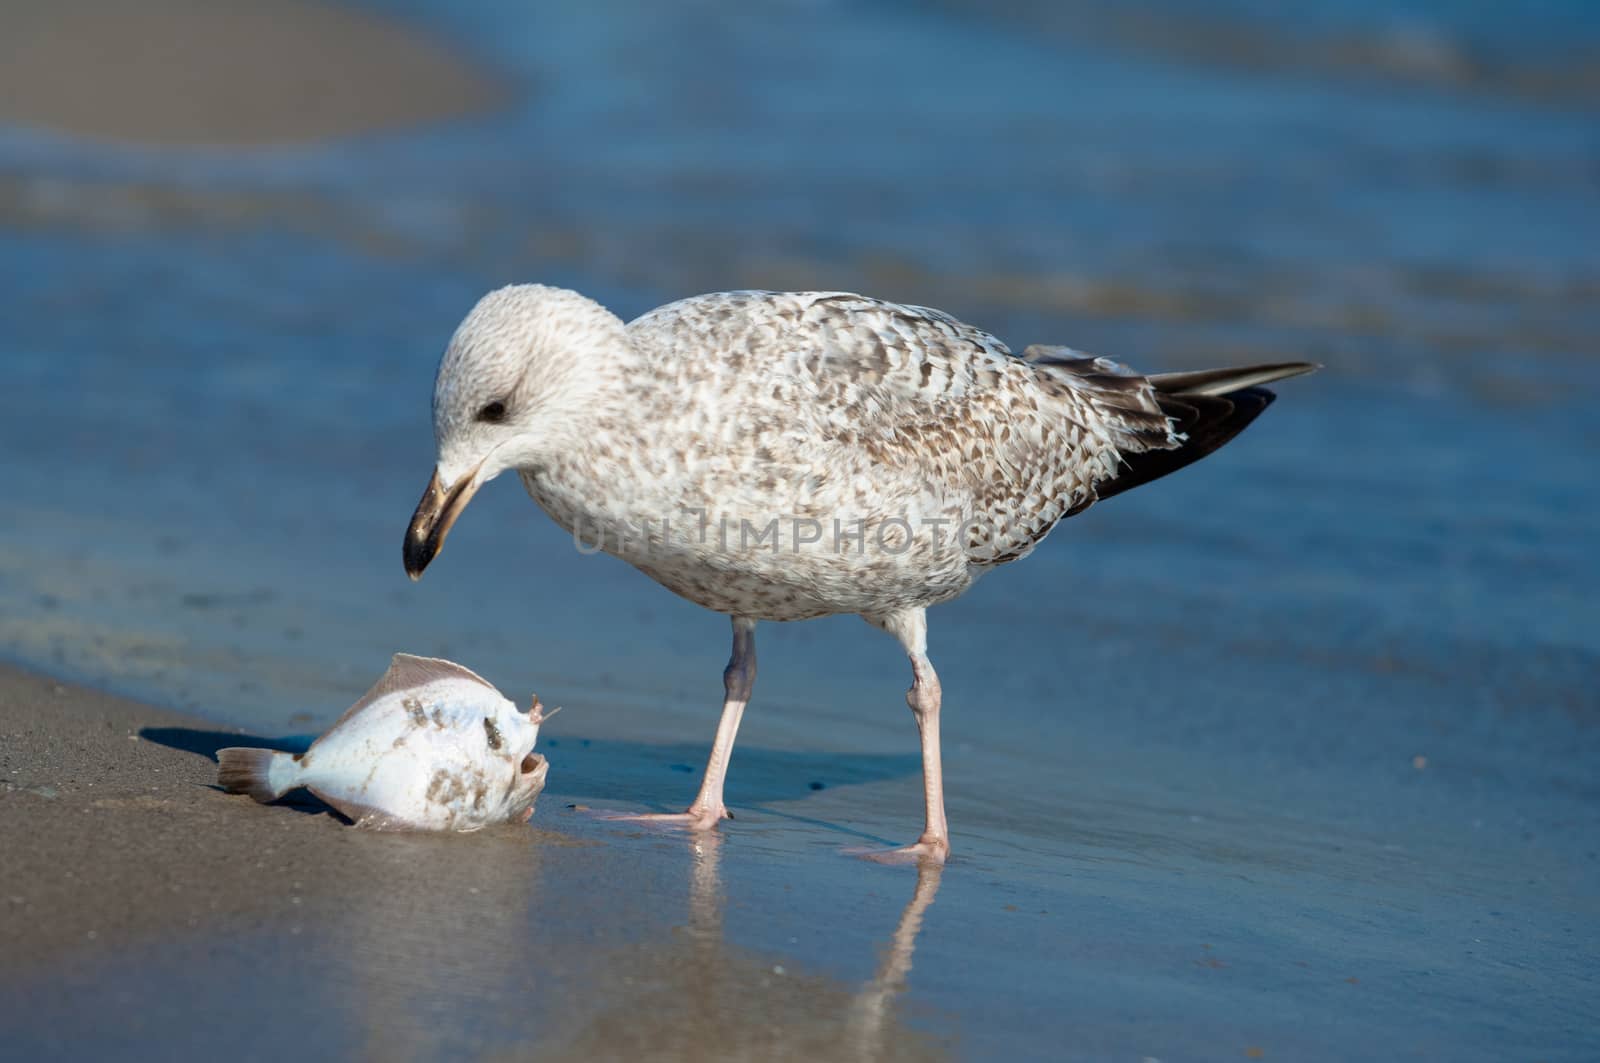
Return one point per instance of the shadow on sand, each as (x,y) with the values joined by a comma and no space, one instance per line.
(206,743)
(650,774)
(624,772)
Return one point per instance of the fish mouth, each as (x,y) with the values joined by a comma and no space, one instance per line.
(529,782)
(436,513)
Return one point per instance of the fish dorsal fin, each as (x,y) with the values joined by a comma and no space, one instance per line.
(407,672)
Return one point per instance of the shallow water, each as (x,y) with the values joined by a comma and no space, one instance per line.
(1320,709)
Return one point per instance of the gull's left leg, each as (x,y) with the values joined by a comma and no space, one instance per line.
(911,628)
(738,680)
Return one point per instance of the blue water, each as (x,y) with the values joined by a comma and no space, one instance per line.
(1321,708)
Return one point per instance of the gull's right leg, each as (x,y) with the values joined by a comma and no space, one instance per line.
(738,680)
(924,698)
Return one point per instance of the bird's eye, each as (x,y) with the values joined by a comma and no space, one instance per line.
(494,413)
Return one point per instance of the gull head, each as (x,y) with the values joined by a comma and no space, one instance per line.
(513,389)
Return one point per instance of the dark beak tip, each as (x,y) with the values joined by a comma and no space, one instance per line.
(429,525)
(417,556)
(435,514)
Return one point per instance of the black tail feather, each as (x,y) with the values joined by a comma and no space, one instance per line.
(1228,381)
(1209,421)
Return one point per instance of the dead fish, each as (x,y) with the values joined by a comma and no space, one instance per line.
(431,747)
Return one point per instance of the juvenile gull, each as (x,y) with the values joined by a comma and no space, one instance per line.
(788,455)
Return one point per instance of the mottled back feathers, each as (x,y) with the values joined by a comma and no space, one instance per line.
(1011,444)
(782,455)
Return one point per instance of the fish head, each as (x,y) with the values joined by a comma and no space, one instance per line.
(522,733)
(526,786)
(531,772)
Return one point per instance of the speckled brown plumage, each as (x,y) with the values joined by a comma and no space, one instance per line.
(800,407)
(786,455)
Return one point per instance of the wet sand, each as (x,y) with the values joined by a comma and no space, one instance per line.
(236,72)
(112,839)
(146,912)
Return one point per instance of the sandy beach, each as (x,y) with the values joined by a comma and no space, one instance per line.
(238,72)
(1289,756)
(135,891)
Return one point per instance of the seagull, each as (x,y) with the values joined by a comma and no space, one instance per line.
(789,455)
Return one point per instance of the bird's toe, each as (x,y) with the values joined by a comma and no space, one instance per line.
(923,851)
(695,819)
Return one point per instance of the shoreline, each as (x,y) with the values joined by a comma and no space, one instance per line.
(1290,757)
(241,74)
(145,909)
(93,787)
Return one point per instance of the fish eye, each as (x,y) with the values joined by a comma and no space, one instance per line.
(493,413)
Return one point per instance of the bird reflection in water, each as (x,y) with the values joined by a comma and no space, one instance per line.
(509,952)
(701,998)
(871,1008)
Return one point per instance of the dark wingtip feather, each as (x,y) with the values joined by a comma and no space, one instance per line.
(1228,381)
(1209,422)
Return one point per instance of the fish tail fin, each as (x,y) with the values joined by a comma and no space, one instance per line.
(264,774)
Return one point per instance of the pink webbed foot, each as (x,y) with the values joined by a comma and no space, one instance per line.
(924,851)
(697,819)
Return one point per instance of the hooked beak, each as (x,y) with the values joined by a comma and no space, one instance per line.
(438,510)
